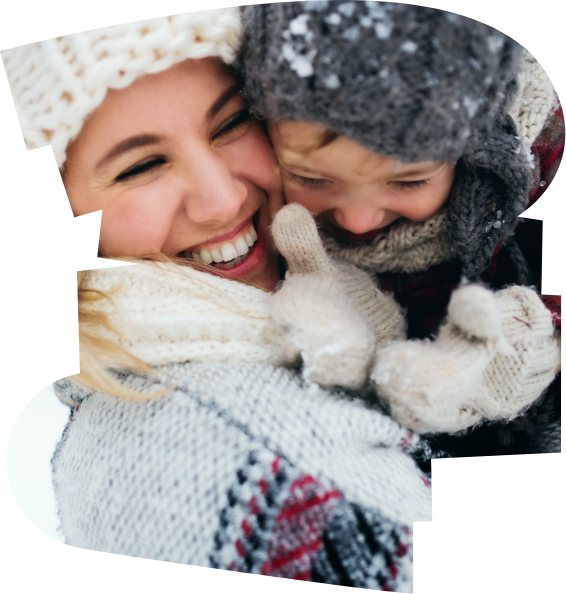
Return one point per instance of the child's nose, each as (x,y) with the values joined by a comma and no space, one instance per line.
(359,219)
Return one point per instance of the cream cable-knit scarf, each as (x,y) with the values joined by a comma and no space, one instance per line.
(171,314)
(415,247)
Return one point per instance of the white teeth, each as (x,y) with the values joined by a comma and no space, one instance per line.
(206,256)
(229,252)
(242,246)
(232,263)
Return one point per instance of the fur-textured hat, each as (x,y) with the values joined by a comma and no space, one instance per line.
(409,82)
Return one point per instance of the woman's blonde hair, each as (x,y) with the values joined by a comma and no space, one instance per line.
(99,355)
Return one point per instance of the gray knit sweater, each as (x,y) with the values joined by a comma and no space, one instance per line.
(242,465)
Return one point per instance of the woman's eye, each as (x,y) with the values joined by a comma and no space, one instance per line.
(140,168)
(411,185)
(308,182)
(238,119)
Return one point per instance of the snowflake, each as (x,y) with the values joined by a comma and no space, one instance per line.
(471,106)
(333,19)
(409,46)
(351,34)
(383,30)
(298,26)
(332,82)
(494,43)
(347,9)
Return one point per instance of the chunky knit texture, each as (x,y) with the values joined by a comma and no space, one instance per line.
(242,467)
(405,81)
(56,83)
(494,357)
(404,247)
(167,312)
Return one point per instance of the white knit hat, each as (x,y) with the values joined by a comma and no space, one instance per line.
(58,82)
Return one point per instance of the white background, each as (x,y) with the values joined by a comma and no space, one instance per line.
(32,442)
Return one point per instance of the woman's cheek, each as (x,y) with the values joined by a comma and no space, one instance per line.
(252,158)
(133,226)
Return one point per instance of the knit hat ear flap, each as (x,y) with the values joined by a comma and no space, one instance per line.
(490,191)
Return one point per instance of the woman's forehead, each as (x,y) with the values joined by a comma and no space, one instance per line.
(154,100)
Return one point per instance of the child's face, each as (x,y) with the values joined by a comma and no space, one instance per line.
(354,193)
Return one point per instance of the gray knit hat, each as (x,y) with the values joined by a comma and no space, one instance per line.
(409,82)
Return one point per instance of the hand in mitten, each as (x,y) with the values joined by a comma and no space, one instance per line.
(494,356)
(519,373)
(327,312)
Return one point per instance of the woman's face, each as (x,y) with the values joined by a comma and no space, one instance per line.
(178,167)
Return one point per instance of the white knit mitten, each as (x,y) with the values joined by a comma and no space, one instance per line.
(494,356)
(329,313)
(518,374)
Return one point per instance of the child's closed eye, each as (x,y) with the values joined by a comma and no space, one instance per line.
(308,182)
(411,185)
(317,183)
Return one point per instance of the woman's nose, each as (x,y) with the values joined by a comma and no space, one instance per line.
(216,195)
(359,219)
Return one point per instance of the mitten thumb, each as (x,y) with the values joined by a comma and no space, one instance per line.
(296,238)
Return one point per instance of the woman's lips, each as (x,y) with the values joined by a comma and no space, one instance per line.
(349,236)
(254,257)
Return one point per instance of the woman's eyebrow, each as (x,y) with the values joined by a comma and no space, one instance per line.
(127,145)
(222,100)
(145,139)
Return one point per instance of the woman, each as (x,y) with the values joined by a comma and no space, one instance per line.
(223,458)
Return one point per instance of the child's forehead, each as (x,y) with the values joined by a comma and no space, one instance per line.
(298,137)
(298,144)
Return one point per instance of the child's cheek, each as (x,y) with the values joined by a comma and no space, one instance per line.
(425,205)
(289,191)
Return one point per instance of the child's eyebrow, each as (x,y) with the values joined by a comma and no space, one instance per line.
(423,170)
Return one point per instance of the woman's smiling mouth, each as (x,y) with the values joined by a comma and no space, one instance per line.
(238,251)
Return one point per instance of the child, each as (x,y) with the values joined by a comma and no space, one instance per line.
(407,132)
